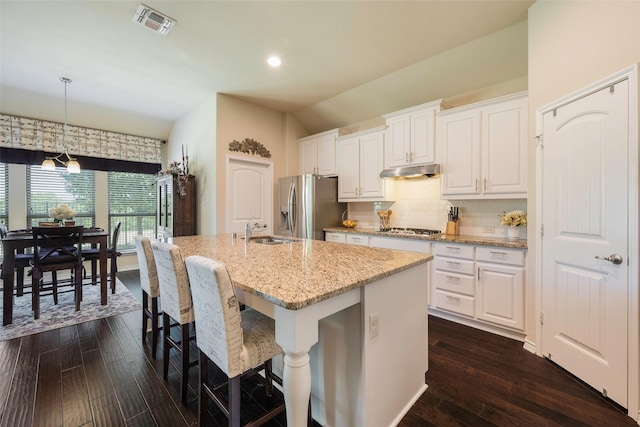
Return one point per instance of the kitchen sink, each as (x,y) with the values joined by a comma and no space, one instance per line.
(270,240)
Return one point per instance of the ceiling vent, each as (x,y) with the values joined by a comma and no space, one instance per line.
(153,20)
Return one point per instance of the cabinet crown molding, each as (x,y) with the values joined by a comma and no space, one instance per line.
(480,104)
(439,105)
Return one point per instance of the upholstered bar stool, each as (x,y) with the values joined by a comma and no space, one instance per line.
(150,290)
(238,342)
(176,305)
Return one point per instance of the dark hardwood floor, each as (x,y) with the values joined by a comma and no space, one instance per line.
(99,373)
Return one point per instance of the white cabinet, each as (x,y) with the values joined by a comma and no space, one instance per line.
(453,278)
(483,284)
(482,149)
(360,161)
(335,237)
(500,290)
(358,239)
(318,153)
(411,135)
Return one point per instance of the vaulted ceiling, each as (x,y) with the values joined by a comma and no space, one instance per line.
(334,53)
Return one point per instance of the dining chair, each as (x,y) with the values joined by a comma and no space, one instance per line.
(22,261)
(55,249)
(150,290)
(240,343)
(177,305)
(93,255)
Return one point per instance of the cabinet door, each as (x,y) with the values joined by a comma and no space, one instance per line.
(459,143)
(504,148)
(500,295)
(371,164)
(399,143)
(348,168)
(326,155)
(308,156)
(423,137)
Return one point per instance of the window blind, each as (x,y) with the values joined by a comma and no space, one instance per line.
(48,189)
(132,201)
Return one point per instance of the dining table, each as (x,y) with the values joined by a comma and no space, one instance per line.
(351,320)
(18,241)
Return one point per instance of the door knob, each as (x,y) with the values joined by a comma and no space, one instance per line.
(613,258)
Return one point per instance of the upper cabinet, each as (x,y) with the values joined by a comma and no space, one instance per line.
(482,149)
(318,153)
(411,135)
(360,161)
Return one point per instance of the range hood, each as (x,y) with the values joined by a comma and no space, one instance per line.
(411,171)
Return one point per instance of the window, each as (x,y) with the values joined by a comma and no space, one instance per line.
(132,201)
(48,189)
(4,200)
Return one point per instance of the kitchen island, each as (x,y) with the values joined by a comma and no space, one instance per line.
(351,320)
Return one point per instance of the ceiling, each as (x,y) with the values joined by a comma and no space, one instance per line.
(327,47)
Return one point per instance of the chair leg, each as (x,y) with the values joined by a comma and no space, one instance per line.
(184,347)
(145,302)
(268,381)
(155,330)
(202,398)
(114,270)
(94,271)
(19,281)
(234,401)
(54,284)
(78,286)
(35,294)
(166,326)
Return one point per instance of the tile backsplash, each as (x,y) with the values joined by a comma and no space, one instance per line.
(417,204)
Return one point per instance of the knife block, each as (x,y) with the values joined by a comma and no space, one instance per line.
(452,228)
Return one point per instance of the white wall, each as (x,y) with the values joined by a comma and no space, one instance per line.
(573,44)
(196,131)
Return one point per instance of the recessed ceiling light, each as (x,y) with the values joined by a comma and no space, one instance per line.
(274,61)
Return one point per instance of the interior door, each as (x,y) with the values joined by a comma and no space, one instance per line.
(585,218)
(249,195)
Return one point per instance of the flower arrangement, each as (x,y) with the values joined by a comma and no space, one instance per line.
(513,218)
(62,212)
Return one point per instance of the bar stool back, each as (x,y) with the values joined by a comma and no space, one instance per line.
(176,305)
(150,290)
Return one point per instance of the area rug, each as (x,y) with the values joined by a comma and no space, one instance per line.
(58,316)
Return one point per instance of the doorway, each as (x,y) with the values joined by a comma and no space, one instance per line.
(249,194)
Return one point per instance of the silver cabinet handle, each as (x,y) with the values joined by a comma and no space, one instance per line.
(453,263)
(457,279)
(453,248)
(476,184)
(613,258)
(485,184)
(454,299)
(406,157)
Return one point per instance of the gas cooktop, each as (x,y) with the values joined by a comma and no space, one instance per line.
(409,231)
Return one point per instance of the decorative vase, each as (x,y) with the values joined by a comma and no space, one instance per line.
(513,233)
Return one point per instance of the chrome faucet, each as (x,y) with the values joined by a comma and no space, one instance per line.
(249,227)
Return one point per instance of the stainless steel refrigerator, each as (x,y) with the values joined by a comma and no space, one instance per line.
(308,203)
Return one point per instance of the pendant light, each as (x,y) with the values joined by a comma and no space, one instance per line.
(71,163)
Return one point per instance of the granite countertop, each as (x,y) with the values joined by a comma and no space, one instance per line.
(471,240)
(297,274)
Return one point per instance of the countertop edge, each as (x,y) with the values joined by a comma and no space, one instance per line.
(469,240)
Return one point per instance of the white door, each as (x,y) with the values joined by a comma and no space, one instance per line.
(585,216)
(249,195)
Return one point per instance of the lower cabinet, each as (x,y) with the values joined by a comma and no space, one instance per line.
(480,283)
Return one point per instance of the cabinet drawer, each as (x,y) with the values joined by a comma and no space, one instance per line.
(455,265)
(459,304)
(335,237)
(500,255)
(453,250)
(358,239)
(459,283)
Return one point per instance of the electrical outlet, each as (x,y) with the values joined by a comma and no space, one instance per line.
(373,325)
(488,230)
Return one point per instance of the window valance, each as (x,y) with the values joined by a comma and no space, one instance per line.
(21,135)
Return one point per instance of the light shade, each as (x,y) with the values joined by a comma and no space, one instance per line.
(73,166)
(48,165)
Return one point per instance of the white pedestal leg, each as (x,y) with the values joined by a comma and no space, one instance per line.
(296,381)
